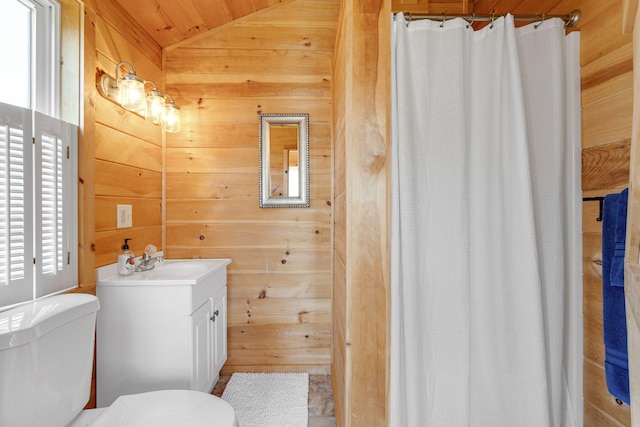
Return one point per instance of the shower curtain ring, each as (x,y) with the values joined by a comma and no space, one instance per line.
(542,16)
(493,18)
(444,18)
(473,18)
(408,20)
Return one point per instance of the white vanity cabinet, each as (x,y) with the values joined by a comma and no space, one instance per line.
(209,338)
(161,329)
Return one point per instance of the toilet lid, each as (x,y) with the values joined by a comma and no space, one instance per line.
(168,408)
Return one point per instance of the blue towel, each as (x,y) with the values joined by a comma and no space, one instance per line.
(616,363)
(617,262)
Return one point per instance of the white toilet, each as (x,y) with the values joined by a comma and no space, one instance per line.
(46,360)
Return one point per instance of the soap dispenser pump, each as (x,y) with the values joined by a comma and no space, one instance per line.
(126,261)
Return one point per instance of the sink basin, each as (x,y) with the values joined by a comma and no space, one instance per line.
(178,269)
(169,272)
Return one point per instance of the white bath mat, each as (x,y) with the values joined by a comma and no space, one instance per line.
(269,400)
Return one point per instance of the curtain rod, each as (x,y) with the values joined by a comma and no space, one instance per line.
(570,19)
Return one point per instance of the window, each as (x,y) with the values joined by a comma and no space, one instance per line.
(30,36)
(38,162)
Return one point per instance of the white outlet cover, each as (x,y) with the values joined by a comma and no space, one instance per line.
(124,216)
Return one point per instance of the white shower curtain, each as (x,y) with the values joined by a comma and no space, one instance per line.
(484,134)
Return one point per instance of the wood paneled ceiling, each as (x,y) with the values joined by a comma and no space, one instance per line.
(171,21)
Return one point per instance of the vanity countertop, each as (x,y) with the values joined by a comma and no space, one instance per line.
(169,272)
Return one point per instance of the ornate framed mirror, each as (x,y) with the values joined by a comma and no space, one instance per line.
(284,160)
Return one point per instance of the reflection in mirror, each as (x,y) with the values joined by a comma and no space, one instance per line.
(284,160)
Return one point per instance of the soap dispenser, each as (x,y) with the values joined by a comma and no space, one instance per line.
(126,262)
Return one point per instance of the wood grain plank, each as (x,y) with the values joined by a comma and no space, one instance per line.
(109,243)
(233,160)
(145,212)
(201,63)
(606,166)
(260,260)
(259,36)
(245,135)
(591,11)
(213,186)
(361,75)
(124,23)
(592,304)
(214,13)
(293,235)
(594,417)
(203,160)
(279,285)
(242,111)
(595,393)
(318,14)
(340,366)
(116,117)
(278,311)
(256,337)
(121,180)
(617,126)
(592,254)
(615,86)
(243,211)
(594,341)
(278,357)
(154,20)
(603,34)
(233,186)
(273,87)
(610,65)
(117,147)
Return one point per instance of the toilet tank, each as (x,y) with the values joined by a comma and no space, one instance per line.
(46,360)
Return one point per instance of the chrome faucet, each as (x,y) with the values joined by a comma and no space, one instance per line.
(147,263)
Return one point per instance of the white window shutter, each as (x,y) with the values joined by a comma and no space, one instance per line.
(55,165)
(16,205)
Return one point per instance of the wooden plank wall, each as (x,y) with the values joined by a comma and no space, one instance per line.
(606,61)
(122,153)
(279,282)
(607,104)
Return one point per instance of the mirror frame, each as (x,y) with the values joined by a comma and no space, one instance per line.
(266,199)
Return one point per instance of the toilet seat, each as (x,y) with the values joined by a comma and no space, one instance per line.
(167,408)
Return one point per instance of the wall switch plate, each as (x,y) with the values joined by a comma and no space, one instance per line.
(125,217)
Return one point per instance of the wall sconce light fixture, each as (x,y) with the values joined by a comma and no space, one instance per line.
(128,90)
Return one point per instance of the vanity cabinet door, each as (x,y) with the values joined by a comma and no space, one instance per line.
(202,372)
(219,301)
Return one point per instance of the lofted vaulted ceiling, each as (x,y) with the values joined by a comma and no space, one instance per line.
(171,21)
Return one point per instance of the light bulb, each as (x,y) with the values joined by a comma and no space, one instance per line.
(155,107)
(132,96)
(171,121)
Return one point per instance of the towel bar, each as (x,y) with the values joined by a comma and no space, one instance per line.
(592,199)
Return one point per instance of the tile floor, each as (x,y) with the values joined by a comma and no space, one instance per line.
(321,409)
